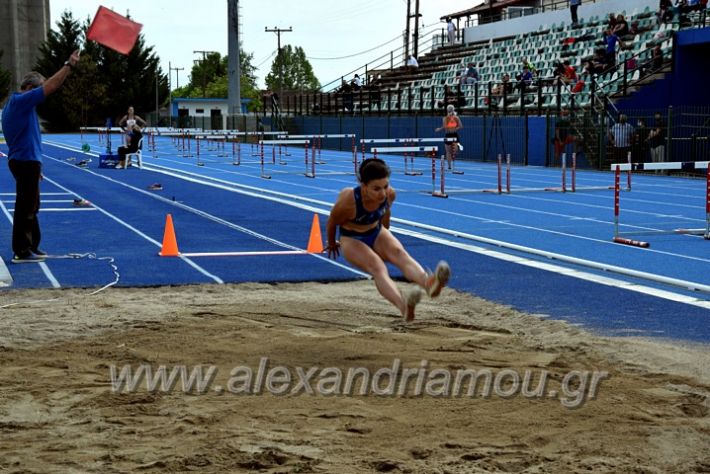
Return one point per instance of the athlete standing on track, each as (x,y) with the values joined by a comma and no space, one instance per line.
(363,216)
(451,124)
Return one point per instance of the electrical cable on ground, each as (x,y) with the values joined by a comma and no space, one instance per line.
(76,256)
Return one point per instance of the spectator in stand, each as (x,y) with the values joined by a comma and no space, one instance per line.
(565,73)
(347,93)
(665,12)
(611,21)
(597,64)
(611,40)
(451,30)
(525,79)
(471,75)
(621,135)
(502,89)
(558,72)
(355,83)
(412,63)
(530,66)
(622,26)
(570,73)
(657,139)
(573,6)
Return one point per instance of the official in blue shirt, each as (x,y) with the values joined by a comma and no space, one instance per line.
(21,129)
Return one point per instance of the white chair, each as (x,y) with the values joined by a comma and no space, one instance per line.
(137,154)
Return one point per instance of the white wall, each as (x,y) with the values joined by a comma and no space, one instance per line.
(531,23)
(206,107)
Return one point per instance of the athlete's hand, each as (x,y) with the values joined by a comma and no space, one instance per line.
(333,250)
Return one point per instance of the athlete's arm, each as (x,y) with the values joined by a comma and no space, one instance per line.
(342,211)
(385,221)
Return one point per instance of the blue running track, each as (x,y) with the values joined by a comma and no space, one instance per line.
(548,253)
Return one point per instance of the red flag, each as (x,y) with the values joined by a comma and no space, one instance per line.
(114,31)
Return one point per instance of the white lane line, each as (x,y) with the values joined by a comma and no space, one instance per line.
(205,215)
(284,198)
(563,270)
(45,269)
(563,258)
(215,278)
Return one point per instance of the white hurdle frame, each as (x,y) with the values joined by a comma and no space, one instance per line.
(406,150)
(317,140)
(676,165)
(305,143)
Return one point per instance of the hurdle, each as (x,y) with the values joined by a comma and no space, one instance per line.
(305,143)
(408,152)
(678,165)
(499,189)
(318,141)
(256,141)
(441,193)
(410,142)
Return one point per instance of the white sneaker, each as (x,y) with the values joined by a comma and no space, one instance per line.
(438,280)
(411,299)
(119,166)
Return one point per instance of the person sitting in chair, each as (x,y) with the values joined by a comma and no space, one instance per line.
(134,137)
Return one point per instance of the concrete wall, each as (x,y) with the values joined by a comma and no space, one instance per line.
(23,27)
(531,23)
(200,110)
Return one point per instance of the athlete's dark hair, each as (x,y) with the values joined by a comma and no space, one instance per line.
(372,169)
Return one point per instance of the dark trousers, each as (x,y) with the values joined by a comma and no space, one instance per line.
(124,150)
(25,225)
(573,10)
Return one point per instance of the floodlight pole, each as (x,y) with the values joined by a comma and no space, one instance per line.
(170,88)
(234,88)
(278,32)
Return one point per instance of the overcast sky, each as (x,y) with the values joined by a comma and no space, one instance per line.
(323,28)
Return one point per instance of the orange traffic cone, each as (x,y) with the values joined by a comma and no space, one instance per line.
(315,241)
(170,248)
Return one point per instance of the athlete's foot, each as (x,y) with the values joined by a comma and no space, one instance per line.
(410,299)
(438,280)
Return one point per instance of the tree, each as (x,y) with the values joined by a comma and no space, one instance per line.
(104,82)
(297,71)
(59,45)
(129,80)
(211,73)
(5,78)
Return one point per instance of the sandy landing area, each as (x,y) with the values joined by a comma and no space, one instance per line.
(59,413)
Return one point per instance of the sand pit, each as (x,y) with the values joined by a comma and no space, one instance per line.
(58,412)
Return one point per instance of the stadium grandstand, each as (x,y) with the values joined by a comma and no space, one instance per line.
(657,67)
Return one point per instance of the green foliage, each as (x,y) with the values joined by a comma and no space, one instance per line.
(296,70)
(5,78)
(103,85)
(210,78)
(56,49)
